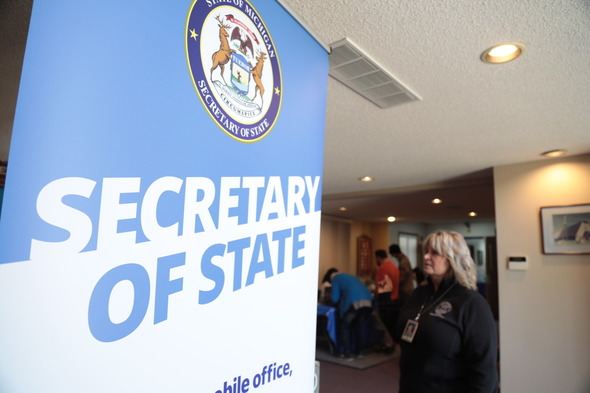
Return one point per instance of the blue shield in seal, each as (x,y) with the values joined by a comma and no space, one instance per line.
(240,73)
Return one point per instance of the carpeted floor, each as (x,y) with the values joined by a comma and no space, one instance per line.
(374,373)
(369,360)
(381,378)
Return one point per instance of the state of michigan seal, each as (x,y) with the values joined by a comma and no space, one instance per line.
(234,66)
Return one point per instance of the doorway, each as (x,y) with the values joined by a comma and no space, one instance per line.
(409,244)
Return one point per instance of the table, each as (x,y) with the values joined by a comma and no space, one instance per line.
(328,313)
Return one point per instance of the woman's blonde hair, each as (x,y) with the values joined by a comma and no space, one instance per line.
(453,247)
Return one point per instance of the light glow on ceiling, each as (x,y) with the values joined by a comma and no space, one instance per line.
(502,53)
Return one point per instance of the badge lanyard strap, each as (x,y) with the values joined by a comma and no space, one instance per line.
(422,310)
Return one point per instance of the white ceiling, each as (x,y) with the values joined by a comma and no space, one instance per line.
(471,117)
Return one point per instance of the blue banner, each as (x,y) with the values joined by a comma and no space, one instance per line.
(160,222)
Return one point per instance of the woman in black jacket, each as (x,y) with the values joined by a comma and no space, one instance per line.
(448,333)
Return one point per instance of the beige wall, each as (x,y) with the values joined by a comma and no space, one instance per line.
(338,240)
(334,245)
(545,310)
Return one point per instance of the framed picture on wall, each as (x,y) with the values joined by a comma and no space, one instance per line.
(566,229)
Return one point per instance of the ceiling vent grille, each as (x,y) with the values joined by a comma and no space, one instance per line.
(352,67)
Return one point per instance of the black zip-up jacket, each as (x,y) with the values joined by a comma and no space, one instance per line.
(454,348)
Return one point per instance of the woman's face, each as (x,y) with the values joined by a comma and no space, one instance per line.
(435,265)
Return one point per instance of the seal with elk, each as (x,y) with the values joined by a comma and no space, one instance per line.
(257,76)
(235,68)
(223,55)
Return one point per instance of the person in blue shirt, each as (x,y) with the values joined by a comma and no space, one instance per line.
(354,302)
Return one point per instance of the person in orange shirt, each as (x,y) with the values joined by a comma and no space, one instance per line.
(387,289)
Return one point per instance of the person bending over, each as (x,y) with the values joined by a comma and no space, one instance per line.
(354,303)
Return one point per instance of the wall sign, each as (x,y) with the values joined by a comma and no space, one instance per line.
(364,256)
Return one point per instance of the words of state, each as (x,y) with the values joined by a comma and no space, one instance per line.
(233,202)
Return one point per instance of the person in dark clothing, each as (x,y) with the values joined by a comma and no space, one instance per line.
(447,330)
(325,291)
(419,275)
(406,274)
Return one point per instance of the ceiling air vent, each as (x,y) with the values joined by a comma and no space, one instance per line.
(351,66)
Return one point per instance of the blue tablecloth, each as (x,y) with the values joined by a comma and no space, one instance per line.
(330,313)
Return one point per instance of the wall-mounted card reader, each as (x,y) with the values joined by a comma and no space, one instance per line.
(517,263)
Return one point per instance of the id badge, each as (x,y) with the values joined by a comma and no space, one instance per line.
(410,330)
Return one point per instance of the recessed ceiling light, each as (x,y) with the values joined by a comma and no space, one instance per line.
(472,214)
(391,218)
(436,201)
(343,208)
(554,153)
(366,178)
(502,53)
